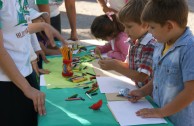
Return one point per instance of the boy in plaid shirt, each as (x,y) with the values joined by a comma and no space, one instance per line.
(138,63)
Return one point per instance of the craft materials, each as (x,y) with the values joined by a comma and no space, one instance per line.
(85,67)
(89,82)
(79,79)
(89,91)
(75,46)
(97,105)
(81,85)
(88,96)
(72,99)
(94,94)
(67,60)
(124,93)
(73,96)
(90,74)
(86,87)
(83,74)
(94,89)
(94,85)
(67,70)
(93,77)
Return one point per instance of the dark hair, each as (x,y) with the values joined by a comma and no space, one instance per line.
(102,26)
(132,11)
(160,11)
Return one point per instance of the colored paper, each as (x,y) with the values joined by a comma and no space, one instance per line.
(55,78)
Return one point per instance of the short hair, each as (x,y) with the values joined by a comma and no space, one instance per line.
(132,11)
(103,26)
(160,11)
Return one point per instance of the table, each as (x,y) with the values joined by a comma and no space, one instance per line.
(76,113)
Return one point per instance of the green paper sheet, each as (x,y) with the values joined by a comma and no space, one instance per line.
(55,78)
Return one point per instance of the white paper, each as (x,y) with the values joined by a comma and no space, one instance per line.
(125,113)
(42,81)
(75,51)
(114,84)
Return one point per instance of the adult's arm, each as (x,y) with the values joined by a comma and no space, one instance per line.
(71,14)
(104,7)
(10,69)
(43,6)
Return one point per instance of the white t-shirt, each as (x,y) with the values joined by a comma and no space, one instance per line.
(33,55)
(14,18)
(53,4)
(35,43)
(54,7)
(116,4)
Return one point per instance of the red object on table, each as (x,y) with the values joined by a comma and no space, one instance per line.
(97,105)
(67,70)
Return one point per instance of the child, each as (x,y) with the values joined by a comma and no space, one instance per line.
(55,16)
(138,64)
(108,28)
(39,17)
(20,99)
(173,81)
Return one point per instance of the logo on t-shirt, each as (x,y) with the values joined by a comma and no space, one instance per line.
(1,4)
(23,16)
(22,12)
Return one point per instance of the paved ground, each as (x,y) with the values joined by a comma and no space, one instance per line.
(88,9)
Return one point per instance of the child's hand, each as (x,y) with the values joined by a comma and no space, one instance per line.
(42,54)
(97,51)
(51,33)
(37,70)
(48,30)
(136,95)
(107,64)
(150,113)
(43,71)
(38,99)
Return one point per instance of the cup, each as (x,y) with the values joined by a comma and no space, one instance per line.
(67,68)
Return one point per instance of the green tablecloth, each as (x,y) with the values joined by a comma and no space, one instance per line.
(75,113)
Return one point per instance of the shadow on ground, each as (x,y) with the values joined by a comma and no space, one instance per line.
(83,21)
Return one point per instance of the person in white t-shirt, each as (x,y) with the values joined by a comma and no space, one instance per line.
(20,98)
(56,17)
(112,5)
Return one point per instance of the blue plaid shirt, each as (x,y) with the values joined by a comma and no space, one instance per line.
(171,71)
